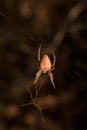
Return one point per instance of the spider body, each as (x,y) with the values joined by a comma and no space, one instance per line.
(45,64)
(45,67)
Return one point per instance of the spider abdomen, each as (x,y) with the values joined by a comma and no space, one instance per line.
(45,64)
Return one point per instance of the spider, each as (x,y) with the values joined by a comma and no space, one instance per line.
(45,66)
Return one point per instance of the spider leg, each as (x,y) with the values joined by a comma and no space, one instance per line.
(51,78)
(37,76)
(54,59)
(39,53)
(52,68)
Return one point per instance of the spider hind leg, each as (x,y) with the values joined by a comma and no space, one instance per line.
(51,78)
(37,76)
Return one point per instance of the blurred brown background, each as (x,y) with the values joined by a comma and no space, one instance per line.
(24,25)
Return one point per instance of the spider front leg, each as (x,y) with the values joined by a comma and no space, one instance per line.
(37,76)
(39,53)
(51,78)
(54,59)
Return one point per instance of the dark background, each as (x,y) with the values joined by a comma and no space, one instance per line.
(24,25)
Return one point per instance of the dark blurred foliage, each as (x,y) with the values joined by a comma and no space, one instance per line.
(24,25)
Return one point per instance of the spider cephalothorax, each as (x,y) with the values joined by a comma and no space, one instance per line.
(45,66)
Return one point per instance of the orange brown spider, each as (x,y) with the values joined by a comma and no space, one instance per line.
(45,67)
